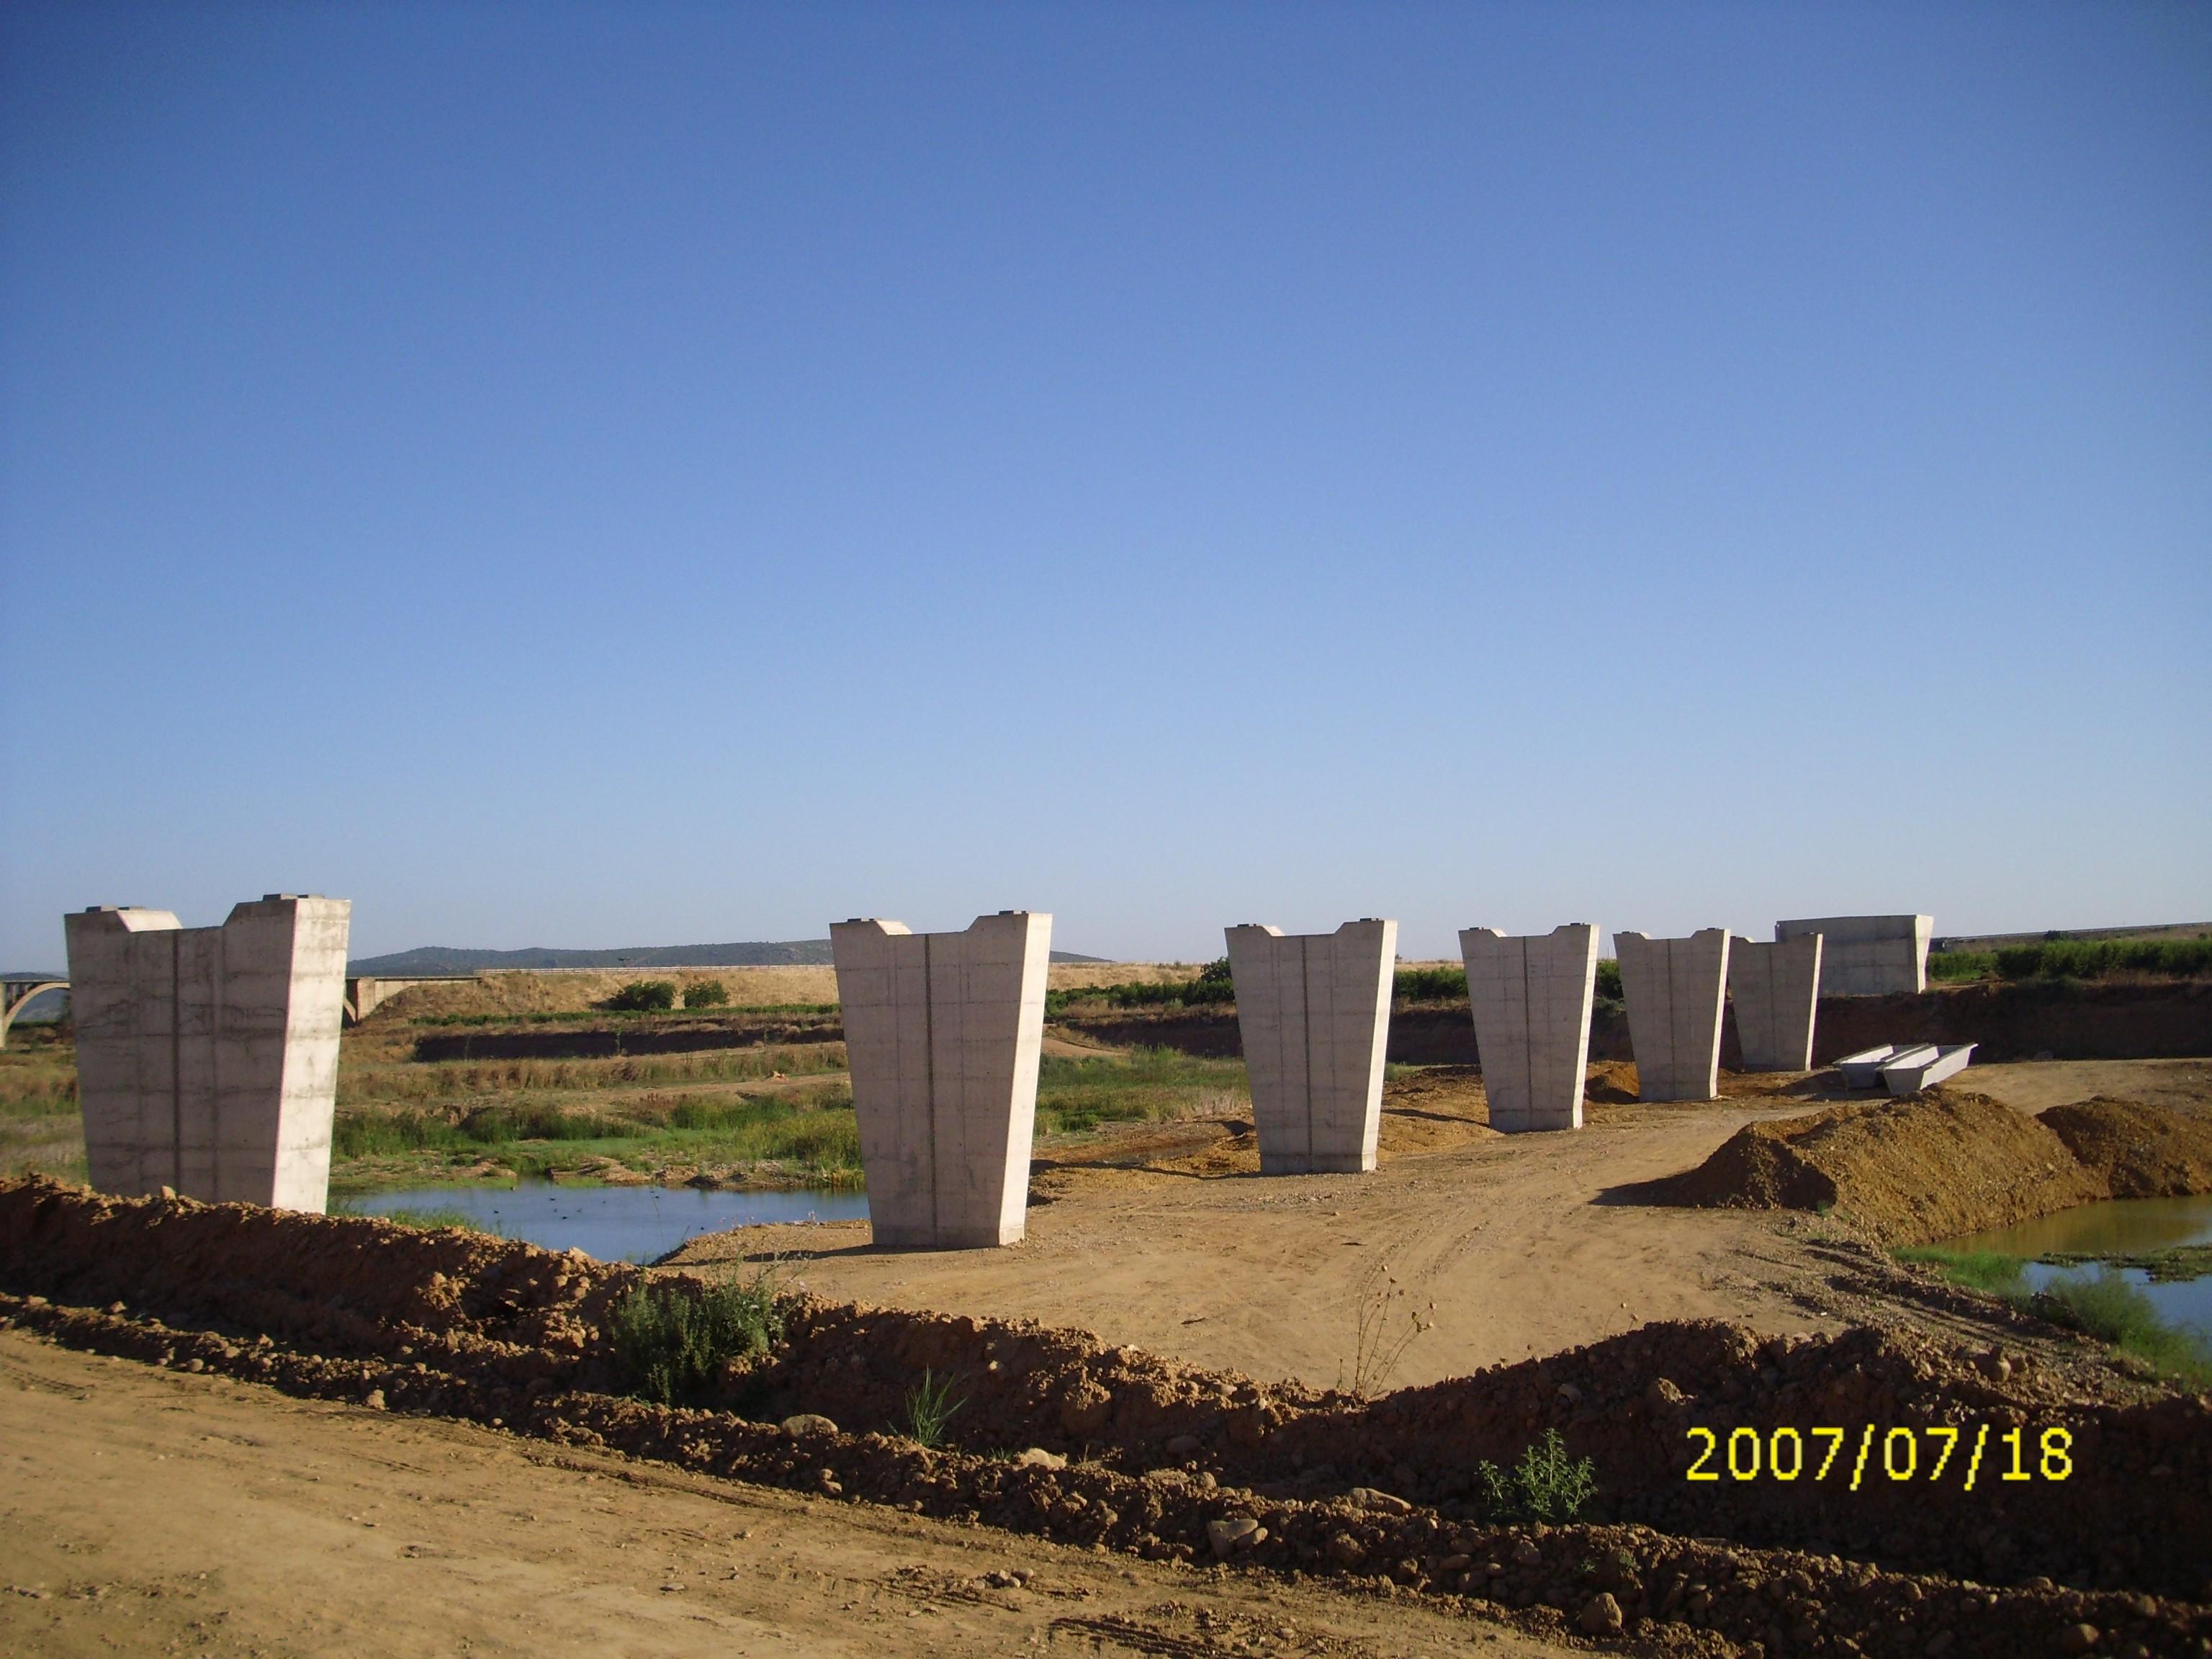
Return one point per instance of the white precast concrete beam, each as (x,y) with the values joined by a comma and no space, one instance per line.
(943,1034)
(1531,996)
(208,1057)
(1777,991)
(1676,990)
(1867,955)
(1314,1011)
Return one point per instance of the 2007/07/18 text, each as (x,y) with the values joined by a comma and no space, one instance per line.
(1783,1454)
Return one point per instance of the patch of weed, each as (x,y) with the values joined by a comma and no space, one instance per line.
(1144,1085)
(2110,1308)
(2102,1304)
(930,1407)
(1546,1485)
(672,1341)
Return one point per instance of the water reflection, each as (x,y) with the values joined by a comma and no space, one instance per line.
(615,1224)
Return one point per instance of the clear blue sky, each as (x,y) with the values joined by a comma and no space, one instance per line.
(605,476)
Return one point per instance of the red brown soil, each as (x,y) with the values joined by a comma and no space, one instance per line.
(458,1325)
(148,1511)
(1907,1171)
(2138,1151)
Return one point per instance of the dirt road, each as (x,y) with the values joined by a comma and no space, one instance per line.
(147,1511)
(1168,1239)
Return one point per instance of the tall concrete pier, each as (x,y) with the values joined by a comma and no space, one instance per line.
(1867,955)
(208,1057)
(1531,996)
(1314,1009)
(943,1034)
(1776,989)
(1674,989)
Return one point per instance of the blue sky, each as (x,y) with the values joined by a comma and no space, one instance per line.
(643,474)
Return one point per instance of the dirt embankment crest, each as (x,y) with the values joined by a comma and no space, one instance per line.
(1949,1162)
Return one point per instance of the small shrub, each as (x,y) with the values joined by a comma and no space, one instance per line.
(1546,1485)
(1384,1325)
(707,993)
(1608,979)
(930,1407)
(672,1341)
(1215,973)
(643,996)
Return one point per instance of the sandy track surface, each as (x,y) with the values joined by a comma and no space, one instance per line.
(1168,1239)
(2034,1085)
(149,1511)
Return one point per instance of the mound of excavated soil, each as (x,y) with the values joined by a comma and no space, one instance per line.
(1909,1171)
(2137,1151)
(499,1332)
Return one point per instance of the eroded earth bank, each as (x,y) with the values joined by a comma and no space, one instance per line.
(1067,1438)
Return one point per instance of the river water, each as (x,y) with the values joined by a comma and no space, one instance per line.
(2126,1224)
(615,1224)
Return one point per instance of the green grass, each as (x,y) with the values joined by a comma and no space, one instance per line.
(38,1078)
(1991,1271)
(673,1340)
(813,1141)
(364,1082)
(1148,1085)
(2102,1304)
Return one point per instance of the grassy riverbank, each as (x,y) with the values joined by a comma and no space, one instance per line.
(2100,1303)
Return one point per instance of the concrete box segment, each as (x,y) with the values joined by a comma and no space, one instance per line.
(1674,989)
(1531,996)
(1777,991)
(208,1057)
(943,1034)
(1314,1009)
(1926,1066)
(1867,955)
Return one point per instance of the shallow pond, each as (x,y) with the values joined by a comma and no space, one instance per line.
(615,1224)
(2124,1225)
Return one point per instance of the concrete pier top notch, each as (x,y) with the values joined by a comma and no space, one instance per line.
(1314,1011)
(207,1057)
(943,1034)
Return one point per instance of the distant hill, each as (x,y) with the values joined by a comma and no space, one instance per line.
(445,959)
